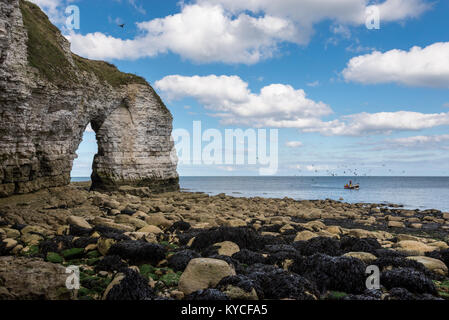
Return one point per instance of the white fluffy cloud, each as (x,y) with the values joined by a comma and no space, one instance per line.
(236,31)
(282,106)
(427,66)
(201,33)
(234,103)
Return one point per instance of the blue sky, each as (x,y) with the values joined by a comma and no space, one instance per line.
(344,97)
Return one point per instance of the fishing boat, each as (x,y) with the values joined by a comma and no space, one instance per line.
(352,187)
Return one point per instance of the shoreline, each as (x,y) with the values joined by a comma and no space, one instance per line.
(159,243)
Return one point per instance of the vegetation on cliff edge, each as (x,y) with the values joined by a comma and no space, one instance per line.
(47,56)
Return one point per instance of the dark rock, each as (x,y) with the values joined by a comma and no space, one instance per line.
(442,255)
(77,231)
(351,244)
(248,257)
(181,259)
(280,284)
(56,244)
(344,274)
(279,253)
(84,242)
(366,295)
(179,226)
(208,295)
(111,233)
(111,263)
(128,211)
(324,245)
(132,287)
(138,252)
(239,281)
(245,238)
(410,279)
(400,262)
(387,253)
(404,294)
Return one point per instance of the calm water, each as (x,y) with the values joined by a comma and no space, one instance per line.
(412,192)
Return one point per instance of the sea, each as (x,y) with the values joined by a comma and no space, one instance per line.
(411,192)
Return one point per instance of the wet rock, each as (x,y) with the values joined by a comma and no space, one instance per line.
(32,279)
(111,263)
(207,295)
(129,285)
(410,279)
(138,252)
(203,273)
(332,273)
(181,259)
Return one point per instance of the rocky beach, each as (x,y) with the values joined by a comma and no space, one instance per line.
(135,245)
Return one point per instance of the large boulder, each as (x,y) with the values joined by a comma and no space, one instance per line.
(413,248)
(32,279)
(431,264)
(203,273)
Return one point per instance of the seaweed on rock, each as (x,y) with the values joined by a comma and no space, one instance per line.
(132,287)
(332,273)
(138,252)
(351,244)
(280,284)
(324,245)
(410,279)
(181,259)
(111,263)
(248,257)
(207,295)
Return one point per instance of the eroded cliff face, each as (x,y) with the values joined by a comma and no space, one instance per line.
(48,96)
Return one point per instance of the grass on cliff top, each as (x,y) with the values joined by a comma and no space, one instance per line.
(47,56)
(107,72)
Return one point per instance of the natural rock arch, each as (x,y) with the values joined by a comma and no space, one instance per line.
(47,98)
